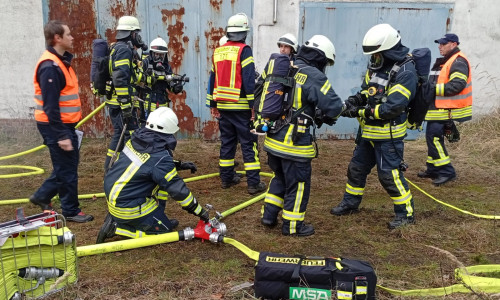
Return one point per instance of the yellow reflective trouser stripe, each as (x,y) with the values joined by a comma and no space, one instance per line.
(162,195)
(307,151)
(187,200)
(405,197)
(255,153)
(226,162)
(354,190)
(296,215)
(133,212)
(171,174)
(274,200)
(252,166)
(110,152)
(127,233)
(443,158)
(121,182)
(377,132)
(344,295)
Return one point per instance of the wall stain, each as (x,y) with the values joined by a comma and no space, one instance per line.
(212,36)
(210,130)
(177,45)
(215,4)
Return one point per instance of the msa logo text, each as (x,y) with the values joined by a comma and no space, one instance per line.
(297,293)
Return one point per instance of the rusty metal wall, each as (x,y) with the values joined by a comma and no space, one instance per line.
(191,28)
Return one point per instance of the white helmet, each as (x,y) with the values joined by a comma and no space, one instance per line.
(158,45)
(163,120)
(324,44)
(223,40)
(288,39)
(379,38)
(128,23)
(238,23)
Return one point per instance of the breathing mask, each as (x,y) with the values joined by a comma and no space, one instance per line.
(376,61)
(137,41)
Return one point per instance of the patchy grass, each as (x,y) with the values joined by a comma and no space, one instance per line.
(411,258)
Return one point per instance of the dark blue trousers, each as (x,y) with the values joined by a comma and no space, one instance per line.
(234,127)
(438,160)
(289,190)
(64,177)
(115,114)
(387,156)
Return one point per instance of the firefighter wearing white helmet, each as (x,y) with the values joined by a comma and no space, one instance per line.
(290,149)
(288,44)
(230,96)
(389,85)
(137,205)
(124,62)
(157,70)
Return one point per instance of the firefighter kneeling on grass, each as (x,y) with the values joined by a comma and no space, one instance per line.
(138,183)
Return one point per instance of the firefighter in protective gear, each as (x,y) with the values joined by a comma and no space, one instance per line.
(125,72)
(288,45)
(230,98)
(389,85)
(290,149)
(58,110)
(138,183)
(451,77)
(157,70)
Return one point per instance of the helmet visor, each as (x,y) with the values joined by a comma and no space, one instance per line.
(376,61)
(370,49)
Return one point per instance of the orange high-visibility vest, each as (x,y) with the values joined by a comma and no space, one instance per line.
(227,85)
(462,99)
(69,99)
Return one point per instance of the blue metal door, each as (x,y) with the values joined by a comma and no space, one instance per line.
(346,24)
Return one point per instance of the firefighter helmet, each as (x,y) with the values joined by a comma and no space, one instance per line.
(126,25)
(323,44)
(158,45)
(379,38)
(290,40)
(238,23)
(163,120)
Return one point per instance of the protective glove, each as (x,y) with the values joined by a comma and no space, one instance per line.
(204,216)
(356,100)
(186,165)
(366,112)
(350,110)
(126,107)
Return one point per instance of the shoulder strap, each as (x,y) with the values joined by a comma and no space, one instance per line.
(397,66)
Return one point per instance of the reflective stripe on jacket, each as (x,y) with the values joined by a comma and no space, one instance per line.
(460,100)
(228,72)
(69,99)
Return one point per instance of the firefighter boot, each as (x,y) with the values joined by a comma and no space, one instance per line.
(254,189)
(107,230)
(270,215)
(343,209)
(400,222)
(43,205)
(302,229)
(236,179)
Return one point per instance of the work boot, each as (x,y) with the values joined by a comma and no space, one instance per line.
(236,179)
(108,229)
(254,189)
(400,221)
(440,180)
(268,223)
(81,217)
(343,209)
(43,205)
(304,230)
(425,174)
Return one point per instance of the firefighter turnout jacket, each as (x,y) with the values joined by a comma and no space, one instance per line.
(388,97)
(232,78)
(145,173)
(59,103)
(453,86)
(313,90)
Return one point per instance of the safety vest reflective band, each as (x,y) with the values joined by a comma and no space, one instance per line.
(69,100)
(462,99)
(133,212)
(227,85)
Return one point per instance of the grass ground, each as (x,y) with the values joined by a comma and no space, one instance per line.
(410,258)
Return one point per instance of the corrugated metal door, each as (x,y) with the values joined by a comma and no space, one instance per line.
(346,24)
(192,29)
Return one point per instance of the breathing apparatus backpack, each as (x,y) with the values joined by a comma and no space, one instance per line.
(274,97)
(99,69)
(419,105)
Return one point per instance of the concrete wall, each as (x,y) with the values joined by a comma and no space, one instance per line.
(476,23)
(21,45)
